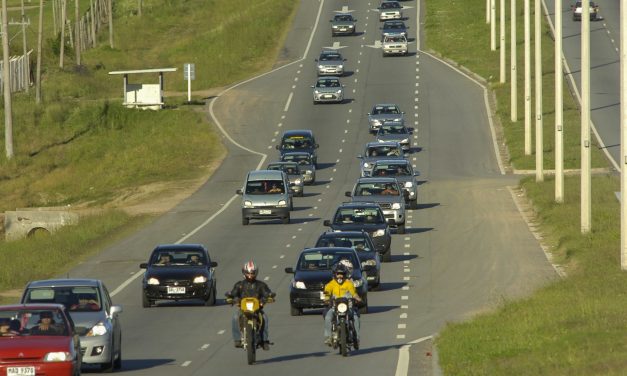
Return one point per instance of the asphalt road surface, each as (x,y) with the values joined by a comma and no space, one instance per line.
(465,249)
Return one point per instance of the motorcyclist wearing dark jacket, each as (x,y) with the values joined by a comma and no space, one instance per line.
(250,287)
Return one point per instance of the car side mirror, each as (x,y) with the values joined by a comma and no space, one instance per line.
(326,223)
(348,194)
(417,173)
(360,156)
(289,270)
(278,147)
(213,264)
(143,265)
(316,60)
(115,309)
(312,86)
(239,192)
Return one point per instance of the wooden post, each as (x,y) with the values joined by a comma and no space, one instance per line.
(62,46)
(110,23)
(40,33)
(93,25)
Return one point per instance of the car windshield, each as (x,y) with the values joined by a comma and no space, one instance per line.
(75,298)
(382,151)
(358,215)
(392,129)
(375,189)
(343,17)
(32,322)
(378,110)
(296,142)
(330,57)
(324,260)
(395,38)
(391,170)
(325,82)
(390,5)
(303,159)
(178,257)
(290,169)
(264,187)
(394,25)
(358,243)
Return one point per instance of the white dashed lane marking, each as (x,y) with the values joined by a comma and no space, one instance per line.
(186,363)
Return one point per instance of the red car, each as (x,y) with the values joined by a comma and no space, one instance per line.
(38,339)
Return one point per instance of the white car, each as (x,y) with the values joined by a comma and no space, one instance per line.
(594,11)
(390,10)
(394,45)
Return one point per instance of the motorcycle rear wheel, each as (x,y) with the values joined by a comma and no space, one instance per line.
(251,346)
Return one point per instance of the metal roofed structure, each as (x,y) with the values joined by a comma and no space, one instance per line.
(145,96)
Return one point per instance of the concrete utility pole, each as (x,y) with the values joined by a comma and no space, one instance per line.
(538,80)
(527,21)
(77,33)
(40,33)
(503,74)
(514,79)
(110,23)
(6,83)
(62,52)
(623,134)
(492,25)
(25,51)
(586,217)
(559,107)
(487,11)
(139,7)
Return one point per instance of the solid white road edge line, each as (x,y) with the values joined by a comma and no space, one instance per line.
(402,365)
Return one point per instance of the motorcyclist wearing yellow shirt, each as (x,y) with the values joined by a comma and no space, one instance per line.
(339,286)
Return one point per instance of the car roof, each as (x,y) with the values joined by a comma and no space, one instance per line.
(265,174)
(343,14)
(358,204)
(297,153)
(298,132)
(328,78)
(343,233)
(383,143)
(283,163)
(387,179)
(399,161)
(328,249)
(64,283)
(183,246)
(42,306)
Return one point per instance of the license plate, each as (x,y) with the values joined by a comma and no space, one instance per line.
(176,290)
(21,371)
(265,211)
(342,29)
(327,96)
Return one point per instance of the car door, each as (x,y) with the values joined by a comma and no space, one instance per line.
(114,319)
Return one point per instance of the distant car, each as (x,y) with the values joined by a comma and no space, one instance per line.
(177,272)
(343,24)
(330,63)
(299,140)
(395,131)
(305,162)
(594,11)
(383,112)
(394,27)
(294,175)
(328,89)
(366,216)
(313,272)
(402,170)
(361,242)
(394,45)
(25,350)
(386,192)
(95,317)
(373,151)
(390,10)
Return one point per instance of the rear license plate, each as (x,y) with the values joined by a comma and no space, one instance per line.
(21,371)
(176,290)
(265,211)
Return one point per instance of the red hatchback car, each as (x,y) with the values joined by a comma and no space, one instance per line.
(38,339)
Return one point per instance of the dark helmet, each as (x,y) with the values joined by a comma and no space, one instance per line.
(250,270)
(339,269)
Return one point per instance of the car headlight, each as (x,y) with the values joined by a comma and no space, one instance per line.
(320,66)
(366,165)
(200,279)
(408,184)
(316,92)
(375,122)
(299,285)
(98,330)
(380,140)
(396,206)
(358,282)
(378,233)
(282,203)
(59,356)
(371,262)
(248,204)
(340,67)
(335,26)
(405,140)
(398,119)
(309,172)
(152,281)
(297,182)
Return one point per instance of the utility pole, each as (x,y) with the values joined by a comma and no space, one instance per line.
(623,134)
(487,11)
(527,21)
(538,80)
(40,33)
(77,34)
(503,77)
(514,78)
(24,48)
(6,83)
(559,107)
(139,7)
(62,52)
(585,119)
(492,25)
(110,23)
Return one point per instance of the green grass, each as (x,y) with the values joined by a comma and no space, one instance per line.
(577,325)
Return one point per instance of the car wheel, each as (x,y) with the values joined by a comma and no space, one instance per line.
(117,363)
(108,366)
(286,220)
(146,303)
(211,299)
(295,311)
(400,229)
(387,257)
(245,221)
(302,194)
(413,204)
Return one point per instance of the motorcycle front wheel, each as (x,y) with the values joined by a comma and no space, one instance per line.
(251,346)
(343,336)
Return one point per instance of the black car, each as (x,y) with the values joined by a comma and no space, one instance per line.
(177,272)
(361,242)
(394,27)
(299,140)
(366,216)
(313,272)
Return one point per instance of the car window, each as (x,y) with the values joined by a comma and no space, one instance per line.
(330,57)
(300,159)
(296,142)
(74,298)
(176,257)
(370,215)
(375,189)
(391,170)
(343,17)
(324,83)
(263,187)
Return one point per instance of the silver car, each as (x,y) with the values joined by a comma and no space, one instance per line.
(386,192)
(330,63)
(402,170)
(343,24)
(395,131)
(390,10)
(383,112)
(294,175)
(328,89)
(266,195)
(379,150)
(94,315)
(305,163)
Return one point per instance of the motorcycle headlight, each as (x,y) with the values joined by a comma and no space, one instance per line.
(59,356)
(408,184)
(358,283)
(282,203)
(98,330)
(366,165)
(299,285)
(297,181)
(248,204)
(396,206)
(342,307)
(152,281)
(378,233)
(200,279)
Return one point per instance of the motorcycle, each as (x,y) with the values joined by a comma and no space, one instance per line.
(343,333)
(251,324)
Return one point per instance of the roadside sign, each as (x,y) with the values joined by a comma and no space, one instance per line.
(189,71)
